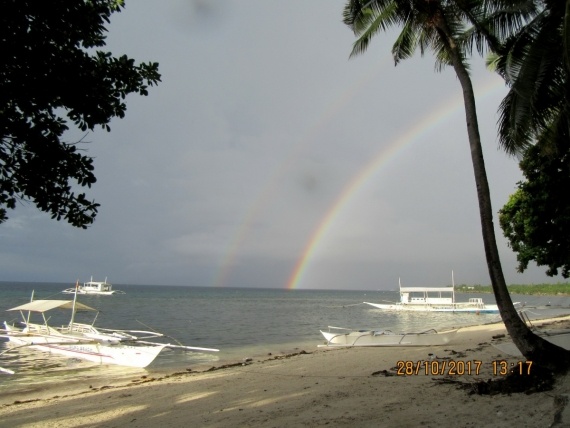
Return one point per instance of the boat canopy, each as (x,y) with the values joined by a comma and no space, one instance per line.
(46,305)
(426,289)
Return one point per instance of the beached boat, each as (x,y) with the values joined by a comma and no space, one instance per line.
(435,299)
(93,287)
(132,348)
(348,337)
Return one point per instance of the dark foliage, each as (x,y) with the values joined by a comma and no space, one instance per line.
(52,74)
(536,220)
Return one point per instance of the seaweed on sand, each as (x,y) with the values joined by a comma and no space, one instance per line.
(539,380)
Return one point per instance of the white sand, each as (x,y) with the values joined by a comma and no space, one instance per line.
(338,387)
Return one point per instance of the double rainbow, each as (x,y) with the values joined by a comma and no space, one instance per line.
(397,146)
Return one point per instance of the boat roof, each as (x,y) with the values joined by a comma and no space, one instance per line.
(425,289)
(46,305)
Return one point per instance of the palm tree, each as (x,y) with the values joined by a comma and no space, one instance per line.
(534,60)
(440,25)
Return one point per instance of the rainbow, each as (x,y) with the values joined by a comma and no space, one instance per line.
(230,255)
(396,146)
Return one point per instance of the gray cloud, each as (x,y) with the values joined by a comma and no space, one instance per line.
(224,173)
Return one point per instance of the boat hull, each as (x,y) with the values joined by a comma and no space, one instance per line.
(89,350)
(379,338)
(455,308)
(89,292)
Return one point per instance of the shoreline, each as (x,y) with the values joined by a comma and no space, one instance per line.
(312,387)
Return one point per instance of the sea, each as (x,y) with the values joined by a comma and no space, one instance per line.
(243,323)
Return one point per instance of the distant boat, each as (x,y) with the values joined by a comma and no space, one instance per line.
(349,337)
(435,299)
(93,287)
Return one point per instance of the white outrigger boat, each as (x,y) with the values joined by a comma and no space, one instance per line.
(349,337)
(435,299)
(132,348)
(93,287)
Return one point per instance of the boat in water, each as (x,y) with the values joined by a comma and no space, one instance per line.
(93,287)
(348,337)
(132,348)
(435,299)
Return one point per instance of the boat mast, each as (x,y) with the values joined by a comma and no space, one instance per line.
(30,312)
(73,307)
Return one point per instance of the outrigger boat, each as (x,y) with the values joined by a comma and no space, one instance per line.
(349,337)
(435,299)
(132,348)
(93,287)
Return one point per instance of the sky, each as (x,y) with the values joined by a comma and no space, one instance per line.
(267,157)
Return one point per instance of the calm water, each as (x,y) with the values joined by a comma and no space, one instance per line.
(240,322)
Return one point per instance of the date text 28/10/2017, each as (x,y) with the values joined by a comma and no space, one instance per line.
(460,367)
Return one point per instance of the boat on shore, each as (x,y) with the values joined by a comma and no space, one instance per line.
(348,337)
(102,288)
(435,299)
(131,348)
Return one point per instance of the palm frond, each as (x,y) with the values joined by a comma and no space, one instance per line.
(533,64)
(367,22)
(511,139)
(406,43)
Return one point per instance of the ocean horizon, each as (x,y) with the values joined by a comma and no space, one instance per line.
(241,322)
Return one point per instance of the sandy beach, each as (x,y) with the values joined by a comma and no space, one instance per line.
(314,387)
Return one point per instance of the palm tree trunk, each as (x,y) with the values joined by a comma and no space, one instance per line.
(533,347)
